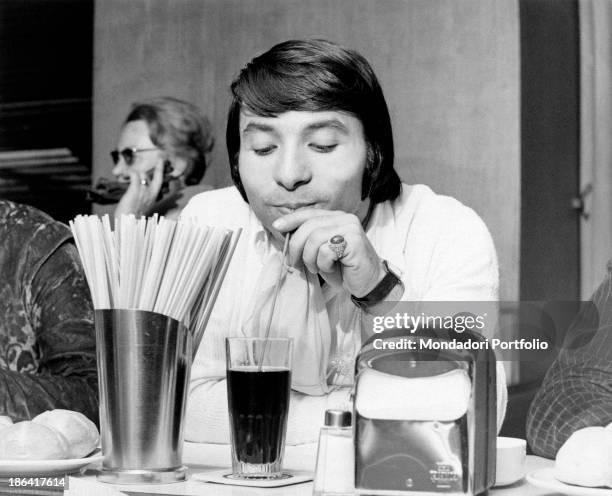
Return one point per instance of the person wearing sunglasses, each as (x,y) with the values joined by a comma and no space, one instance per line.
(161,157)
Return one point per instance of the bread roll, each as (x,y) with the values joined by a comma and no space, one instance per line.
(31,441)
(586,458)
(5,421)
(81,433)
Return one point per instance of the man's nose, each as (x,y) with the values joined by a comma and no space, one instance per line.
(292,169)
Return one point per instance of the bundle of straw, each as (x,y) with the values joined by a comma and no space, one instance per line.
(173,268)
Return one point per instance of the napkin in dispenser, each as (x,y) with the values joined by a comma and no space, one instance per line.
(425,420)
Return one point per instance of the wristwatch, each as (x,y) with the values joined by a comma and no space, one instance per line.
(390,288)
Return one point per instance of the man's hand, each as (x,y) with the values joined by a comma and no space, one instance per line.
(142,192)
(360,268)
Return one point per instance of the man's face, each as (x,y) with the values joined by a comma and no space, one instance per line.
(302,160)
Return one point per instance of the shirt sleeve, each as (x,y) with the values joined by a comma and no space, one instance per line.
(60,311)
(464,263)
(577,389)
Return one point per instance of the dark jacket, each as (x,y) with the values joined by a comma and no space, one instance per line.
(577,389)
(47,339)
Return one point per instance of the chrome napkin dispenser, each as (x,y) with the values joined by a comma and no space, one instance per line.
(425,414)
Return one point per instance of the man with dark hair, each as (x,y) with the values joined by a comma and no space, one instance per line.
(47,338)
(315,69)
(310,145)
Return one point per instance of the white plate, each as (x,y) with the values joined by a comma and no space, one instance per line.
(544,478)
(15,468)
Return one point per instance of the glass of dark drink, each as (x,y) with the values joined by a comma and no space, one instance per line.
(258,387)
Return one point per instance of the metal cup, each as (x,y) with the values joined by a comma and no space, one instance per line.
(144,362)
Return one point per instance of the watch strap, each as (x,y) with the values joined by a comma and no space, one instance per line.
(381,291)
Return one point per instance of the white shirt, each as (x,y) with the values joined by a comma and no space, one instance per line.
(441,249)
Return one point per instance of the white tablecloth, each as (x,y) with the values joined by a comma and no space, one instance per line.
(203,457)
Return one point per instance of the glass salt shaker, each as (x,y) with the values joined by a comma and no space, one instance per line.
(335,469)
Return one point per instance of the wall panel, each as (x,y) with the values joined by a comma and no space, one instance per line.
(450,71)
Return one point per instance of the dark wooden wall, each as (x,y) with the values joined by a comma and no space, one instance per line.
(45,102)
(550,134)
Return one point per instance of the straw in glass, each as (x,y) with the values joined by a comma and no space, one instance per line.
(281,273)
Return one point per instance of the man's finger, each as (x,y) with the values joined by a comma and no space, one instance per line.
(306,229)
(158,178)
(326,260)
(134,182)
(317,241)
(333,277)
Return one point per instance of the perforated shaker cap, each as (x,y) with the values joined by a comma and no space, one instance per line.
(338,418)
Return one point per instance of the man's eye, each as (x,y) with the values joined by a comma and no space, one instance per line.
(264,150)
(323,148)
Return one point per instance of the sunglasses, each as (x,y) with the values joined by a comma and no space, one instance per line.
(128,154)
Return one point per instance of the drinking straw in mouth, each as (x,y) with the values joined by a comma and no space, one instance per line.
(274,298)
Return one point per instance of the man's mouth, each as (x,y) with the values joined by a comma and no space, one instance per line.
(289,208)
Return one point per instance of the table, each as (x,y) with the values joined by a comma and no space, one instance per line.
(205,457)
